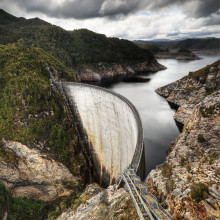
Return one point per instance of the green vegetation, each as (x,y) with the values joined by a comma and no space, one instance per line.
(20,208)
(205,112)
(169,186)
(29,109)
(151,47)
(72,47)
(199,191)
(32,112)
(204,72)
(73,200)
(212,89)
(189,178)
(182,161)
(156,50)
(188,167)
(183,50)
(204,159)
(167,170)
(200,138)
(213,156)
(7,156)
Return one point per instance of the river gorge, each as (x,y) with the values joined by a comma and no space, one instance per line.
(156,114)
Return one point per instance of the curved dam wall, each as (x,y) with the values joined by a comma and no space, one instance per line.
(110,126)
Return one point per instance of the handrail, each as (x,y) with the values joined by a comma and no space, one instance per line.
(154,208)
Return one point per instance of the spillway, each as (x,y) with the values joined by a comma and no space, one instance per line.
(111,127)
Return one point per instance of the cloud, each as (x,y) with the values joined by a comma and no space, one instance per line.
(204,8)
(79,9)
(114,7)
(142,19)
(82,9)
(135,26)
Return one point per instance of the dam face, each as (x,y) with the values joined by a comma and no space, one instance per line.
(112,129)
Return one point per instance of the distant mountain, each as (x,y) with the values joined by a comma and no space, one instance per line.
(194,44)
(72,47)
(165,53)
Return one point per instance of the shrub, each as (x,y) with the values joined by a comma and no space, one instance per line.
(199,191)
(211,161)
(20,207)
(169,186)
(189,178)
(204,159)
(167,171)
(183,50)
(201,139)
(182,161)
(188,168)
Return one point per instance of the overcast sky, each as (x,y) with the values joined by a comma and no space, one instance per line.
(130,19)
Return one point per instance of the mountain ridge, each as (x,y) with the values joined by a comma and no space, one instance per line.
(194,44)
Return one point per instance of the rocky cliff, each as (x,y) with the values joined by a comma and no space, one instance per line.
(29,173)
(187,183)
(108,73)
(98,203)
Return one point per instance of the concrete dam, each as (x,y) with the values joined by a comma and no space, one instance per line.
(110,126)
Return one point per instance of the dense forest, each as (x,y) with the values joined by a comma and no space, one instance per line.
(72,47)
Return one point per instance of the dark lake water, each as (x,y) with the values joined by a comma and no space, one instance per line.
(156,114)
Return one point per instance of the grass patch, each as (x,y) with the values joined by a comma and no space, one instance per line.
(20,208)
(199,191)
(167,171)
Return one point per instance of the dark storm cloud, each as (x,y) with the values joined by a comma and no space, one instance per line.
(195,8)
(115,7)
(64,9)
(99,8)
(205,8)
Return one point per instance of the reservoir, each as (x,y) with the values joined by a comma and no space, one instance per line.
(156,115)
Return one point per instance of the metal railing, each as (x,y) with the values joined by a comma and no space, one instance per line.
(136,187)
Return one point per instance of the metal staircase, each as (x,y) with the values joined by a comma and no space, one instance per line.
(145,203)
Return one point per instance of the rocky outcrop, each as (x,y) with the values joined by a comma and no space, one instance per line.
(191,90)
(99,203)
(29,173)
(108,73)
(187,183)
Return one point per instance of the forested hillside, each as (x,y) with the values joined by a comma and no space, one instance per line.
(38,141)
(72,47)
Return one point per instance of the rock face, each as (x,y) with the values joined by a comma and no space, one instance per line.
(108,73)
(98,203)
(194,156)
(191,90)
(30,173)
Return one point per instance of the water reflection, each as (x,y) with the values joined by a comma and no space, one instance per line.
(156,114)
